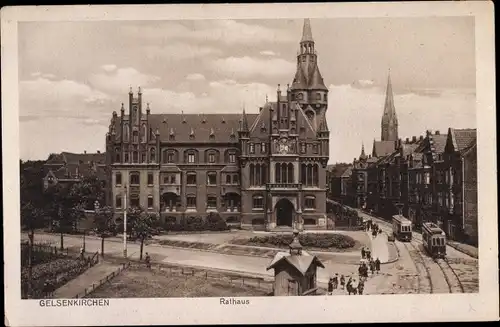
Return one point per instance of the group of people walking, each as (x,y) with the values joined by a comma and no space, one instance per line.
(370,225)
(353,285)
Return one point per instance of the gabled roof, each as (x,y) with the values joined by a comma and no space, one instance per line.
(338,170)
(84,157)
(463,138)
(347,172)
(383,148)
(202,125)
(300,262)
(439,142)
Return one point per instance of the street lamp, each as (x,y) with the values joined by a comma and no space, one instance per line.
(125,225)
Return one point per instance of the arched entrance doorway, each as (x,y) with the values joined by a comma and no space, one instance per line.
(284,213)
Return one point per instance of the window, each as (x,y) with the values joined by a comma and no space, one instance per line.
(191,157)
(172,179)
(152,155)
(211,158)
(211,178)
(118,179)
(232,158)
(236,179)
(315,148)
(136,137)
(118,202)
(263,148)
(258,202)
(144,133)
(134,179)
(318,96)
(125,132)
(228,179)
(302,147)
(310,202)
(191,178)
(143,157)
(135,156)
(150,178)
(191,201)
(170,157)
(211,202)
(134,200)
(150,202)
(252,148)
(126,158)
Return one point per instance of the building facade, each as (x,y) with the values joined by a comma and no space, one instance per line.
(258,171)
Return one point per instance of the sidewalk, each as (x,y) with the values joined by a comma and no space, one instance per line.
(464,248)
(91,276)
(380,247)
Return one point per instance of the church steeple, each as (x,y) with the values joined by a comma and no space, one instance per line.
(306,31)
(362,156)
(389,118)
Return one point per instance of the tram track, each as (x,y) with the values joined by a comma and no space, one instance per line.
(454,283)
(424,283)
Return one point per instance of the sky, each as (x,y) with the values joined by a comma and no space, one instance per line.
(73,75)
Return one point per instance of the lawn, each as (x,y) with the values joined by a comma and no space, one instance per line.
(140,282)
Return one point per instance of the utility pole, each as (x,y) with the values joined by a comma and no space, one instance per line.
(125,225)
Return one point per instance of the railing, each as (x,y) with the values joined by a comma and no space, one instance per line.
(102,281)
(233,279)
(40,290)
(283,185)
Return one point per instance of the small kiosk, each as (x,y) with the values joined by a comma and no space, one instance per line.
(295,272)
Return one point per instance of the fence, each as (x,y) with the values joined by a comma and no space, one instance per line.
(46,283)
(101,282)
(233,279)
(40,253)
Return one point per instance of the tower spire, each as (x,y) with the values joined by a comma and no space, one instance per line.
(306,31)
(362,156)
(389,117)
(244,121)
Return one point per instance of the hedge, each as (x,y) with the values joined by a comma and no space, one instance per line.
(213,222)
(316,240)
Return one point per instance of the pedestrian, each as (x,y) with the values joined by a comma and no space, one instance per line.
(368,255)
(372,266)
(148,260)
(336,281)
(360,271)
(363,253)
(330,286)
(361,287)
(82,254)
(377,265)
(342,281)
(374,233)
(354,287)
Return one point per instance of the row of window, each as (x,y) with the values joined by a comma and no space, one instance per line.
(135,156)
(263,147)
(284,173)
(258,202)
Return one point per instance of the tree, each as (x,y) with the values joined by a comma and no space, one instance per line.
(65,208)
(142,224)
(105,224)
(88,191)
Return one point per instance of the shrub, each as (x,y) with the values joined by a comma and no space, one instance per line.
(317,240)
(214,222)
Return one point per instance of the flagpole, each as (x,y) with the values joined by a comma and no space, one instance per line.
(125,225)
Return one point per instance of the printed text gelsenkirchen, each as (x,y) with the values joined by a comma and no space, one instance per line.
(74,303)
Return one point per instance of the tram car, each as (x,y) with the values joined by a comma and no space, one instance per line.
(434,239)
(401,228)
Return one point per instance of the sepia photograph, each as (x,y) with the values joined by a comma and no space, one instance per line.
(246,158)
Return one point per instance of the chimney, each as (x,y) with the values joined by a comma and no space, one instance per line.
(407,140)
(260,109)
(414,139)
(84,151)
(421,137)
(437,133)
(98,152)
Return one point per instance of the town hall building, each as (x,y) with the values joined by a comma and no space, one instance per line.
(258,171)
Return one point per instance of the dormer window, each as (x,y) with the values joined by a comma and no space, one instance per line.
(318,96)
(191,135)
(252,148)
